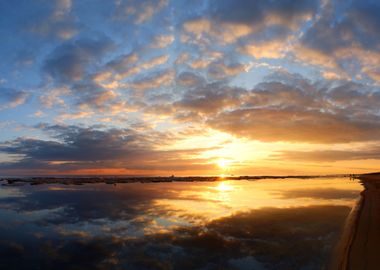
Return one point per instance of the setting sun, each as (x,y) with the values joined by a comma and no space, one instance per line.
(223,163)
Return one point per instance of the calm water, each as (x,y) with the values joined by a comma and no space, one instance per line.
(266,224)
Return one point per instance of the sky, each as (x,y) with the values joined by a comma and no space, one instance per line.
(175,87)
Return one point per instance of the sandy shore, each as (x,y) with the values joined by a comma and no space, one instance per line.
(360,245)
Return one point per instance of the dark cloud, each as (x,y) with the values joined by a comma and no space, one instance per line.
(10,98)
(76,148)
(329,155)
(253,12)
(273,124)
(286,107)
(92,95)
(210,98)
(123,65)
(53,19)
(343,26)
(68,62)
(190,79)
(299,110)
(140,11)
(81,144)
(154,80)
(228,21)
(344,38)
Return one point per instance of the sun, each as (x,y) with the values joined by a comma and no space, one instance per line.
(223,163)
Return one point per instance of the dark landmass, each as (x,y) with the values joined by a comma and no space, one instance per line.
(78,180)
(359,248)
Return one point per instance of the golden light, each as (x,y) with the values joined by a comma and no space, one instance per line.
(223,163)
(222,186)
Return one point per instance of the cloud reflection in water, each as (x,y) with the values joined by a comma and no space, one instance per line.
(272,224)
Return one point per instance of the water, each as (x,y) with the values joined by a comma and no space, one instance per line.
(265,224)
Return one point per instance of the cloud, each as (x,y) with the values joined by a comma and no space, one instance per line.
(129,64)
(119,68)
(77,144)
(190,79)
(273,49)
(210,98)
(141,11)
(182,58)
(54,97)
(74,148)
(221,70)
(345,38)
(288,108)
(74,116)
(200,63)
(156,61)
(315,57)
(122,62)
(162,41)
(295,125)
(173,64)
(253,12)
(330,155)
(226,33)
(86,98)
(228,21)
(153,81)
(208,57)
(68,62)
(124,66)
(11,98)
(56,22)
(93,95)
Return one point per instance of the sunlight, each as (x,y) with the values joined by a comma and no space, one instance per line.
(223,163)
(223,186)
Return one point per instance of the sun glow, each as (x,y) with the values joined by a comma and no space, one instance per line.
(223,186)
(223,163)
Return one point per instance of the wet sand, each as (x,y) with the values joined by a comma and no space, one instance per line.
(360,245)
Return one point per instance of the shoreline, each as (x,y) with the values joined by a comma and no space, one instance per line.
(338,260)
(360,242)
(72,180)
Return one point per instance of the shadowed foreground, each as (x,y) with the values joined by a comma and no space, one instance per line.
(361,245)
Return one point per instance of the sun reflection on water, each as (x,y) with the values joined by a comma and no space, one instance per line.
(136,220)
(224,186)
(211,200)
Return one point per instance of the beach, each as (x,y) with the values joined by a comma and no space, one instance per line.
(360,244)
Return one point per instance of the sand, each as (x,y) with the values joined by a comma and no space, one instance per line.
(360,245)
